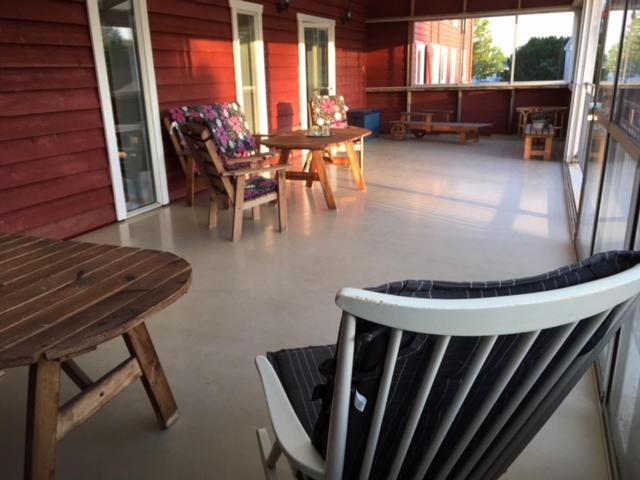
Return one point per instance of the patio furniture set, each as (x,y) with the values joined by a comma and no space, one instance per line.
(216,139)
(427,379)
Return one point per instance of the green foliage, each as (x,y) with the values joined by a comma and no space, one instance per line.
(488,60)
(630,53)
(541,58)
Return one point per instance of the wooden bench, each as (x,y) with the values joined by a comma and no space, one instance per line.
(421,123)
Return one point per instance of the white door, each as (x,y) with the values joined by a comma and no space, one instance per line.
(317,60)
(248,54)
(124,66)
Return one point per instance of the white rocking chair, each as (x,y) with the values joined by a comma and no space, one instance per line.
(552,338)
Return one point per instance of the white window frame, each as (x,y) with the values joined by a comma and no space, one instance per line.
(420,61)
(314,22)
(255,10)
(152,110)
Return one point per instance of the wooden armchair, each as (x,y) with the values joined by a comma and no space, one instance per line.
(176,118)
(231,178)
(436,379)
(186,161)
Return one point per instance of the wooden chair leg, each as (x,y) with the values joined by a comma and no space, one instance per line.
(255,212)
(282,201)
(42,420)
(269,454)
(191,181)
(154,380)
(238,205)
(213,211)
(463,138)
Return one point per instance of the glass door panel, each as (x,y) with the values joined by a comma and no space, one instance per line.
(316,43)
(118,30)
(591,189)
(627,108)
(615,208)
(609,63)
(247,38)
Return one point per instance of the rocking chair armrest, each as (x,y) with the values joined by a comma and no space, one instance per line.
(248,171)
(289,431)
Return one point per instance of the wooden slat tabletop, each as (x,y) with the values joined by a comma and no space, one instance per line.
(299,140)
(62,298)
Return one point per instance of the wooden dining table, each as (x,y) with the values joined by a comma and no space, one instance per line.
(299,140)
(61,299)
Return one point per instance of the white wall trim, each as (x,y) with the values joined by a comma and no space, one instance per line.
(152,109)
(255,10)
(106,110)
(318,22)
(152,104)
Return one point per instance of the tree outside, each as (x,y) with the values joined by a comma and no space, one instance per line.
(630,54)
(489,61)
(541,58)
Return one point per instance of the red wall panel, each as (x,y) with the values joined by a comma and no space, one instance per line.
(387,54)
(54,176)
(390,106)
(434,100)
(475,108)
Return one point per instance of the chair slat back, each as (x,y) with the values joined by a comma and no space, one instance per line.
(175,136)
(469,415)
(204,152)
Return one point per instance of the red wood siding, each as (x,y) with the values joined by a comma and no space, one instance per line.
(390,106)
(489,106)
(54,172)
(387,54)
(436,100)
(193,55)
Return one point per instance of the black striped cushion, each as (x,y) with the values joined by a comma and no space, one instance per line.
(294,367)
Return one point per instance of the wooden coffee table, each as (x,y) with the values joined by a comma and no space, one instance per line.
(298,140)
(60,299)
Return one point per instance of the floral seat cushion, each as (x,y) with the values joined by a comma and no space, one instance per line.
(227,124)
(259,186)
(329,110)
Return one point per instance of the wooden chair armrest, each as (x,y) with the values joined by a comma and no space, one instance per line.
(289,431)
(248,171)
(235,161)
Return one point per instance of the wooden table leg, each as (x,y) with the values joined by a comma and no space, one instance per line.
(548,147)
(355,167)
(153,378)
(527,147)
(317,165)
(42,420)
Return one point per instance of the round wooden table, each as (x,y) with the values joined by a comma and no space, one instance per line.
(60,299)
(299,140)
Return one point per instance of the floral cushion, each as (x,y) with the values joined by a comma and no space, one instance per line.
(227,124)
(259,186)
(329,110)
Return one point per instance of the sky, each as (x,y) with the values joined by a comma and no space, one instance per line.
(534,25)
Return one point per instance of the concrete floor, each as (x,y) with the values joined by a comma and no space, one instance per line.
(434,209)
